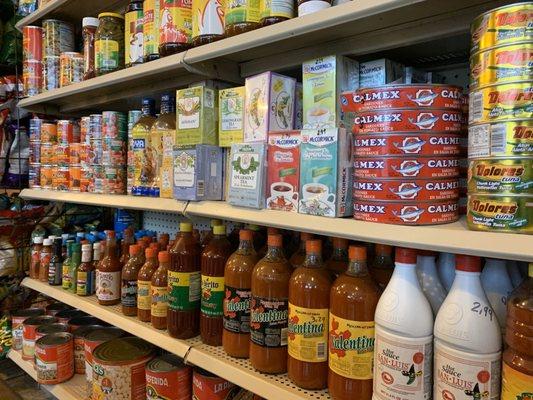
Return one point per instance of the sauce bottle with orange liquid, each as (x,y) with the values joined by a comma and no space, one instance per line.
(159,292)
(309,289)
(297,258)
(144,283)
(338,263)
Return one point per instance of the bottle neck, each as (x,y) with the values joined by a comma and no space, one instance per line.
(405,272)
(111,249)
(427,264)
(274,252)
(313,260)
(96,255)
(147,110)
(467,281)
(245,246)
(167,107)
(86,256)
(357,268)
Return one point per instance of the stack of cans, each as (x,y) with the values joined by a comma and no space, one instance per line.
(35,153)
(70,68)
(92,175)
(57,38)
(68,133)
(32,66)
(48,138)
(500,140)
(114,152)
(133,117)
(406,153)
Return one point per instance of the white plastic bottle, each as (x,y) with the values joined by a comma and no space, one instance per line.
(446,268)
(514,273)
(426,270)
(497,285)
(403,348)
(467,339)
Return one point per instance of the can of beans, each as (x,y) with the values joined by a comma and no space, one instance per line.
(54,308)
(32,43)
(410,167)
(29,327)
(206,386)
(79,346)
(507,138)
(60,154)
(95,127)
(47,176)
(70,68)
(74,176)
(406,189)
(114,125)
(60,179)
(67,131)
(501,176)
(48,329)
(54,358)
(58,37)
(48,132)
(32,77)
(77,322)
(84,129)
(168,378)
(66,315)
(119,368)
(51,72)
(86,177)
(17,318)
(34,176)
(35,152)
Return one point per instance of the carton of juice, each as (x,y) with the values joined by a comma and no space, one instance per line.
(269,105)
(196,116)
(283,177)
(324,79)
(247,175)
(325,172)
(230,116)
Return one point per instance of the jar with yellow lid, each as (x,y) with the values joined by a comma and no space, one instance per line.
(109,43)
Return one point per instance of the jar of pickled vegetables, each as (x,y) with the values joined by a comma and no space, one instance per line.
(109,43)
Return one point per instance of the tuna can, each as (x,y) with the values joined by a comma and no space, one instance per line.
(114,125)
(95,127)
(501,176)
(70,68)
(60,179)
(91,341)
(35,129)
(67,131)
(501,64)
(48,329)
(58,37)
(47,153)
(86,177)
(95,155)
(66,315)
(60,154)
(407,120)
(54,308)
(402,96)
(77,322)
(47,176)
(34,176)
(402,167)
(119,368)
(423,144)
(48,132)
(168,378)
(79,346)
(54,358)
(206,386)
(51,72)
(406,189)
(504,25)
(32,43)
(35,152)
(74,178)
(32,77)
(84,129)
(500,213)
(501,102)
(29,327)
(17,318)
(74,153)
(407,212)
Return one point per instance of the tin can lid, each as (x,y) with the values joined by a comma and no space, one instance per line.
(40,320)
(84,330)
(122,350)
(52,328)
(165,363)
(28,312)
(54,339)
(85,320)
(104,334)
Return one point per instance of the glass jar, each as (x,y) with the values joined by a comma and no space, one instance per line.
(175,27)
(207,21)
(90,25)
(274,12)
(241,16)
(109,43)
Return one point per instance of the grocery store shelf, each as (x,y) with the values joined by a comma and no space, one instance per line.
(453,238)
(112,315)
(73,389)
(104,200)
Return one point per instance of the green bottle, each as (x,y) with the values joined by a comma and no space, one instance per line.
(66,284)
(75,261)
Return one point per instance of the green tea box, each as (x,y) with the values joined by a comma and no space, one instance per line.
(196,116)
(230,116)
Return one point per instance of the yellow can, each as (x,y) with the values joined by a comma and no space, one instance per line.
(506,138)
(501,176)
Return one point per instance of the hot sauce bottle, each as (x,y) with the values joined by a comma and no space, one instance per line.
(144,282)
(130,274)
(108,274)
(126,242)
(238,293)
(213,262)
(159,290)
(269,310)
(36,257)
(338,263)
(85,282)
(309,289)
(297,259)
(44,259)
(353,299)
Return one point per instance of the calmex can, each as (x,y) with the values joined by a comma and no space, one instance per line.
(17,319)
(54,358)
(500,213)
(406,189)
(29,326)
(168,378)
(403,167)
(502,139)
(501,176)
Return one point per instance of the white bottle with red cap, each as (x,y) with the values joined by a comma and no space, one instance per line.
(403,350)
(497,286)
(426,269)
(467,339)
(446,267)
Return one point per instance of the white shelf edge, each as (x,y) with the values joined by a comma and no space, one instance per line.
(73,389)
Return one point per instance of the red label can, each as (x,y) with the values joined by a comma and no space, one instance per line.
(17,319)
(168,378)
(32,43)
(410,167)
(67,131)
(406,189)
(206,386)
(29,328)
(54,358)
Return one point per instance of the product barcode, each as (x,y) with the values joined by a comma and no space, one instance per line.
(321,350)
(497,139)
(476,107)
(283,335)
(200,188)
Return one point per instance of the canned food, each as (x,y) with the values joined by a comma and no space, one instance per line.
(501,176)
(29,327)
(406,189)
(70,68)
(74,177)
(35,152)
(79,346)
(47,153)
(32,77)
(35,129)
(401,167)
(95,155)
(32,43)
(501,64)
(17,318)
(48,132)
(407,121)
(85,179)
(407,212)
(114,125)
(54,358)
(66,315)
(54,308)
(34,176)
(47,176)
(424,144)
(119,367)
(51,66)
(60,155)
(58,37)
(114,151)
(504,25)
(60,178)
(49,329)
(74,153)
(501,102)
(504,213)
(402,96)
(168,378)
(77,322)
(95,127)
(206,386)
(67,131)
(84,129)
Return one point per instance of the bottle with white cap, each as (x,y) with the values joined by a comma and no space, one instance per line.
(426,270)
(467,339)
(497,285)
(446,269)
(403,349)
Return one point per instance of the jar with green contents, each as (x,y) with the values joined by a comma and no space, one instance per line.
(241,16)
(109,43)
(272,12)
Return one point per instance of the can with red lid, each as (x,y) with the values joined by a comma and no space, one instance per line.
(206,386)
(406,189)
(29,328)
(168,378)
(410,167)
(54,358)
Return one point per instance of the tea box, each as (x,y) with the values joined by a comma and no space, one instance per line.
(283,177)
(379,72)
(269,105)
(196,116)
(324,79)
(247,175)
(325,172)
(197,172)
(299,106)
(231,116)
(166,175)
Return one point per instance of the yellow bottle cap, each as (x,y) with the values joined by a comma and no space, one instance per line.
(219,230)
(110,14)
(215,222)
(185,227)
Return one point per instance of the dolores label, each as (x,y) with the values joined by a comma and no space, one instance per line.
(159,304)
(308,333)
(212,295)
(237,310)
(268,322)
(184,290)
(129,293)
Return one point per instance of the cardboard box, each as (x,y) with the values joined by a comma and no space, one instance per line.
(283,172)
(231,116)
(197,173)
(299,106)
(196,116)
(324,79)
(166,175)
(269,106)
(379,72)
(247,175)
(326,172)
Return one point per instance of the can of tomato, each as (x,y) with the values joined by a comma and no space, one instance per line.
(17,319)
(48,132)
(32,77)
(501,176)
(168,378)
(402,96)
(35,152)
(500,213)
(54,358)
(406,189)
(74,178)
(47,176)
(79,346)
(206,386)
(406,212)
(60,179)
(60,154)
(402,167)
(48,329)
(67,131)
(396,144)
(29,327)
(34,176)
(407,120)
(32,44)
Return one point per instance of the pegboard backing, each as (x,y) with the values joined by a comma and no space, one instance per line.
(167,222)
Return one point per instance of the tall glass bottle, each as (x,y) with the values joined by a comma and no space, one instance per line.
(175,29)
(65,274)
(55,272)
(144,160)
(144,285)
(85,282)
(159,290)
(130,273)
(108,274)
(133,33)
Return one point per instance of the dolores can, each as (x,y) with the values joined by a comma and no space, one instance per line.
(406,189)
(402,167)
(54,358)
(509,138)
(500,213)
(168,378)
(29,328)
(501,176)
(206,386)
(17,318)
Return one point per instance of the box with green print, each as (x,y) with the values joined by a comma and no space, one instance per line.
(247,175)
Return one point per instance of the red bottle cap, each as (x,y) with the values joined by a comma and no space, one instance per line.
(150,252)
(110,234)
(163,256)
(246,234)
(305,236)
(340,243)
(357,253)
(383,249)
(275,240)
(313,246)
(467,263)
(134,249)
(405,256)
(272,231)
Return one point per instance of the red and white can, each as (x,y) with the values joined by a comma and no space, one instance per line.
(168,378)
(29,327)
(406,167)
(54,358)
(32,43)
(406,189)
(206,386)
(17,319)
